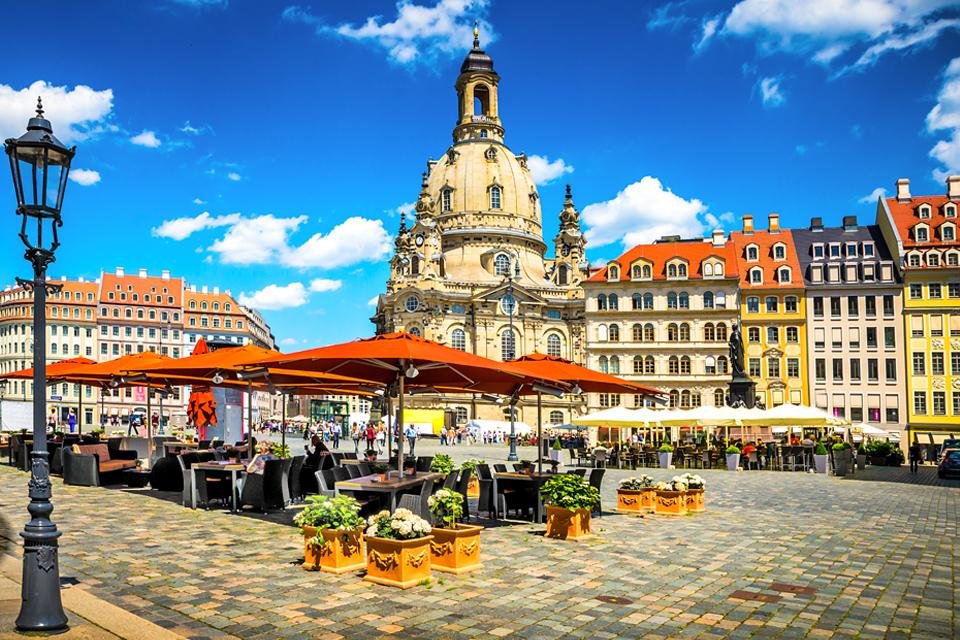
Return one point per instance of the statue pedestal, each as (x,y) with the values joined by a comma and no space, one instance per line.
(743,392)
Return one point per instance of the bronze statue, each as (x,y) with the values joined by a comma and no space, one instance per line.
(736,352)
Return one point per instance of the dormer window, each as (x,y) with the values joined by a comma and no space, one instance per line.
(953,259)
(949,210)
(635,272)
(756,275)
(495,193)
(446,200)
(924,211)
(779,252)
(851,249)
(718,269)
(682,270)
(647,272)
(913,260)
(867,249)
(613,273)
(707,269)
(753,253)
(947,232)
(783,274)
(672,271)
(933,259)
(835,250)
(920,233)
(818,252)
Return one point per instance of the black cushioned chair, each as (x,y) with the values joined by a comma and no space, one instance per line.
(265,490)
(293,481)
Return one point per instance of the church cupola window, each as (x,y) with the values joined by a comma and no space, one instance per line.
(495,194)
(501,265)
(554,345)
(458,339)
(483,133)
(446,200)
(562,275)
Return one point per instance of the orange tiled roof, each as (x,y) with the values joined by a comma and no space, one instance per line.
(151,285)
(660,253)
(905,216)
(765,240)
(210,297)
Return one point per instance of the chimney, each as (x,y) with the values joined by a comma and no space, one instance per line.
(953,187)
(849,223)
(193,288)
(816,223)
(773,223)
(165,274)
(204,289)
(748,224)
(63,278)
(142,273)
(80,279)
(119,272)
(903,190)
(718,238)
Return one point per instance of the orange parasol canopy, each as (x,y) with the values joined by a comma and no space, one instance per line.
(110,370)
(202,406)
(52,369)
(590,381)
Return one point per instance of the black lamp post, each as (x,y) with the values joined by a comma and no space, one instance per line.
(40,164)
(509,303)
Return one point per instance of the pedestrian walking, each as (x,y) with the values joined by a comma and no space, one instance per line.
(915,455)
(411,433)
(371,436)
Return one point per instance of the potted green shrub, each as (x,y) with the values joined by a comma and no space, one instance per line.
(862,455)
(665,452)
(695,493)
(470,464)
(281,450)
(555,450)
(570,500)
(398,548)
(381,469)
(332,531)
(820,458)
(636,495)
(455,547)
(733,458)
(441,463)
(841,458)
(670,498)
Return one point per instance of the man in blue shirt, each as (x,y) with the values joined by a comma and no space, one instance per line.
(411,434)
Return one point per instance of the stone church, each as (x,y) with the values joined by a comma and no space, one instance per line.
(472,270)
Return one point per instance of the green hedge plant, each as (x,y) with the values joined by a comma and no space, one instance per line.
(442,463)
(570,491)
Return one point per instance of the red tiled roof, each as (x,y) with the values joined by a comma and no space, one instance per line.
(659,254)
(151,285)
(765,241)
(906,217)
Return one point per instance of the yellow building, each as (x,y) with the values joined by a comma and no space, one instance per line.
(772,312)
(922,235)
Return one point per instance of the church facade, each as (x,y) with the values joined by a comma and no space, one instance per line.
(472,270)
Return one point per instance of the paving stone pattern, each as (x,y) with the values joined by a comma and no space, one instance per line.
(832,558)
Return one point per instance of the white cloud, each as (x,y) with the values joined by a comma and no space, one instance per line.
(273,297)
(257,240)
(85,177)
(182,228)
(945,116)
(354,240)
(76,114)
(193,130)
(146,138)
(418,34)
(871,198)
(708,29)
(770,92)
(828,29)
(320,285)
(544,171)
(199,201)
(288,342)
(642,212)
(717,222)
(233,176)
(407,209)
(372,302)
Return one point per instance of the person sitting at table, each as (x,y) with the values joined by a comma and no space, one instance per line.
(370,456)
(265,453)
(319,450)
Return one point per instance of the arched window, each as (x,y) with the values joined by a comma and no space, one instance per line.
(483,133)
(613,273)
(604,364)
(415,331)
(649,365)
(637,301)
(684,300)
(719,398)
(674,398)
(458,339)
(193,304)
(672,271)
(415,265)
(227,307)
(682,270)
(508,350)
(779,252)
(602,302)
(562,276)
(649,333)
(707,269)
(722,366)
(203,306)
(784,275)
(685,365)
(637,364)
(614,365)
(636,272)
(613,302)
(495,197)
(602,333)
(671,300)
(647,272)
(648,301)
(753,253)
(446,200)
(614,333)
(710,365)
(756,275)
(708,300)
(554,345)
(684,399)
(501,265)
(673,365)
(684,332)
(140,314)
(673,332)
(721,332)
(637,333)
(708,333)
(556,417)
(461,414)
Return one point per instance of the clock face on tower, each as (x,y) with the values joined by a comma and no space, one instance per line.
(419,240)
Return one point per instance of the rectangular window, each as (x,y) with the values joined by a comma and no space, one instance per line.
(853,306)
(956,403)
(773,335)
(870,306)
(790,304)
(933,289)
(819,338)
(955,363)
(818,307)
(893,415)
(955,324)
(835,307)
(936,326)
(871,337)
(773,367)
(837,370)
(873,370)
(771,304)
(793,367)
(920,403)
(753,304)
(856,414)
(939,403)
(916,326)
(919,364)
(754,367)
(937,363)
(820,369)
(916,293)
(818,251)
(854,334)
(953,289)
(836,338)
(793,335)
(888,306)
(890,367)
(855,369)
(889,338)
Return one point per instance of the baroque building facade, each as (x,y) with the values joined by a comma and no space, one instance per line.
(472,271)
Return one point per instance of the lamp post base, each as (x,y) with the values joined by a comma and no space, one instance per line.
(512,456)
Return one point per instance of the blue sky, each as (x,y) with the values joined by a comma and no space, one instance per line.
(266,147)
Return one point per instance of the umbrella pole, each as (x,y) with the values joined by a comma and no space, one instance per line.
(387,421)
(540,431)
(400,425)
(80,410)
(283,421)
(149,423)
(250,419)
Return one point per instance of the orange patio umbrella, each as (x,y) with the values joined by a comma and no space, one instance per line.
(393,359)
(52,370)
(202,406)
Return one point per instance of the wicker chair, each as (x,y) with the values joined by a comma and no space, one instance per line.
(264,490)
(293,481)
(417,502)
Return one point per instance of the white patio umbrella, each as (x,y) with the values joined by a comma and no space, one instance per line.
(793,415)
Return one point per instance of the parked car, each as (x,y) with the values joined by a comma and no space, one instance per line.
(949,464)
(949,443)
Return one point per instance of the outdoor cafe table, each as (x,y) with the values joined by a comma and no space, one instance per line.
(393,486)
(173,447)
(535,478)
(235,469)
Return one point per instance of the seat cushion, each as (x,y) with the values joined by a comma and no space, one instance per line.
(101,450)
(116,465)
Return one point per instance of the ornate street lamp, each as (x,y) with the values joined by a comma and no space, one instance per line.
(40,164)
(509,304)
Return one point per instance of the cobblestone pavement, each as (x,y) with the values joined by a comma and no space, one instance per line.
(853,558)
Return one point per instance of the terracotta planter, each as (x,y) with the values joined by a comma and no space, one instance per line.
(567,524)
(398,563)
(648,500)
(695,500)
(341,551)
(630,501)
(671,503)
(473,488)
(456,550)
